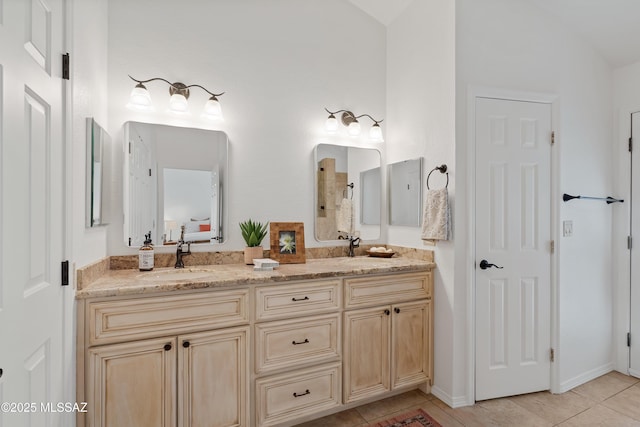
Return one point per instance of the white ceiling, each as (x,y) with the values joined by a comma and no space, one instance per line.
(612,27)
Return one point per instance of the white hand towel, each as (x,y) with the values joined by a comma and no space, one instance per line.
(344,217)
(436,221)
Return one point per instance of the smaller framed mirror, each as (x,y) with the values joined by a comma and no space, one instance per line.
(97,139)
(405,193)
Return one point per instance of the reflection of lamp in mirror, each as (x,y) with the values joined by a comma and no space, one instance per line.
(178,103)
(353,125)
(170,225)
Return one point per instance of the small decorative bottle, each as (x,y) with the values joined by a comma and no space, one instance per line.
(145,254)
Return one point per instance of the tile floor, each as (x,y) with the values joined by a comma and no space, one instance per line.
(611,400)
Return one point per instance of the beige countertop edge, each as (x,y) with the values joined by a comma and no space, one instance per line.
(134,282)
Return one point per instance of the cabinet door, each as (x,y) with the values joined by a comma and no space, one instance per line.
(366,364)
(132,384)
(213,379)
(410,341)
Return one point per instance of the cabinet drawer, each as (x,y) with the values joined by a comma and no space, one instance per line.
(289,396)
(132,319)
(375,290)
(297,299)
(291,343)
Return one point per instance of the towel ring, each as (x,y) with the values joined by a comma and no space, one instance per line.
(442,169)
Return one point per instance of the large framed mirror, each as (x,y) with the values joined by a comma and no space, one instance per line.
(348,192)
(174,177)
(405,193)
(97,140)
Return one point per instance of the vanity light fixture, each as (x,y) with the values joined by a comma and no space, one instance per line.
(141,100)
(353,126)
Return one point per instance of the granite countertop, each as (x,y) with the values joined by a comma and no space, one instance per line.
(134,282)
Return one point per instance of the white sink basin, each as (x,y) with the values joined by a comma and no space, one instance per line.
(171,275)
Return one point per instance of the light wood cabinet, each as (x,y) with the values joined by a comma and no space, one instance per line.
(257,355)
(196,378)
(387,346)
(132,384)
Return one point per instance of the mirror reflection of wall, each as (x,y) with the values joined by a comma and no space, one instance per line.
(97,140)
(343,210)
(405,193)
(174,177)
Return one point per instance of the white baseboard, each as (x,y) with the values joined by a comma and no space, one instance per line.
(585,377)
(453,402)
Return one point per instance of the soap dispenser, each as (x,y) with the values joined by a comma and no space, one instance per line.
(145,254)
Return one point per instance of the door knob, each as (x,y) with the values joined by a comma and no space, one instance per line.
(484,264)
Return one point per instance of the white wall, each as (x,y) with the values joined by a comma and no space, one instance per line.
(509,44)
(280,62)
(89,96)
(421,123)
(626,99)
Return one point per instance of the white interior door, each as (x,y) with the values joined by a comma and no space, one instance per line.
(634,348)
(513,231)
(32,194)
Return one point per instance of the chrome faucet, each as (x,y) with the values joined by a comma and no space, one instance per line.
(353,243)
(179,252)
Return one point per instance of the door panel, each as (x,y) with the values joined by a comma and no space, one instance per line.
(634,349)
(32,220)
(513,231)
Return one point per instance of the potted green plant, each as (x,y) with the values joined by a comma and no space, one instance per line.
(253,233)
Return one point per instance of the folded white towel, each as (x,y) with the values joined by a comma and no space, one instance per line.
(436,221)
(344,217)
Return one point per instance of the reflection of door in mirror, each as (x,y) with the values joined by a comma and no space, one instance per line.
(345,203)
(405,193)
(175,178)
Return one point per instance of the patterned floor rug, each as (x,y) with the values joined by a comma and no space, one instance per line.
(417,418)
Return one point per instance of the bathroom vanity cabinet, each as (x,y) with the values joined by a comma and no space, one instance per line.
(261,353)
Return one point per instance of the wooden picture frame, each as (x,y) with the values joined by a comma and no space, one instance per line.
(287,242)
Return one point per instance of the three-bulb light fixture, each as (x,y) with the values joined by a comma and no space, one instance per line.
(350,120)
(141,100)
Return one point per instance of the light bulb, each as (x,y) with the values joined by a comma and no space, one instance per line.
(178,103)
(212,108)
(331,124)
(375,133)
(354,128)
(139,98)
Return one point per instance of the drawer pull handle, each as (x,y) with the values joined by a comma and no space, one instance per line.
(302,394)
(300,299)
(306,340)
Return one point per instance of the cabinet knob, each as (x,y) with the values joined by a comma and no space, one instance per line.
(387,312)
(397,310)
(167,347)
(186,344)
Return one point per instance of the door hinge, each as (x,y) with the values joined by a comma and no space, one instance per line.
(552,355)
(628,339)
(149,172)
(630,145)
(629,242)
(553,246)
(65,66)
(64,279)
(129,148)
(553,137)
